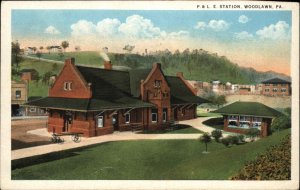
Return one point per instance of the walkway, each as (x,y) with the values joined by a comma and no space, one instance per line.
(116,136)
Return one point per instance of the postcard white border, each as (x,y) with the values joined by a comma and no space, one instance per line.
(7,183)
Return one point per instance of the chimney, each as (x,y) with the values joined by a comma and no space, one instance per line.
(155,65)
(71,60)
(107,65)
(179,74)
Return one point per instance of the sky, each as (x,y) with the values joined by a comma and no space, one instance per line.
(258,39)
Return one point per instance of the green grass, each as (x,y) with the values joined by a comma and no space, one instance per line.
(38,89)
(202,112)
(144,159)
(41,66)
(85,57)
(178,129)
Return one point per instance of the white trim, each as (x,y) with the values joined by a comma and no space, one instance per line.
(100,117)
(164,116)
(153,121)
(32,109)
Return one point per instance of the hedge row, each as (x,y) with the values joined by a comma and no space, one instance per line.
(275,164)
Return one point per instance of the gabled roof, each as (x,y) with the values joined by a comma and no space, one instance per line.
(112,89)
(249,109)
(276,81)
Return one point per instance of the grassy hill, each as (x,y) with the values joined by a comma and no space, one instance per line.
(196,65)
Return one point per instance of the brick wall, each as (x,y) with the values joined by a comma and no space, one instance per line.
(276,89)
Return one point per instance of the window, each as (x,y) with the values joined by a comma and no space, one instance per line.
(165,114)
(68,86)
(275,89)
(100,121)
(256,122)
(127,118)
(18,94)
(245,118)
(157,83)
(267,84)
(283,84)
(283,90)
(154,115)
(232,118)
(274,84)
(267,90)
(32,109)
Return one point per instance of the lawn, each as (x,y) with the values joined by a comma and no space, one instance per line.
(177,129)
(144,159)
(203,112)
(85,57)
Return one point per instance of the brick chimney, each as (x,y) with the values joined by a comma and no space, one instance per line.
(70,61)
(107,65)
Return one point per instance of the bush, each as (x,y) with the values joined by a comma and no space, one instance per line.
(281,122)
(225,141)
(252,133)
(241,138)
(234,140)
(275,164)
(217,134)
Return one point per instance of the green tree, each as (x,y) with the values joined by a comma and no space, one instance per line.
(217,134)
(46,77)
(281,122)
(54,67)
(205,138)
(41,48)
(39,55)
(48,48)
(15,52)
(65,44)
(34,49)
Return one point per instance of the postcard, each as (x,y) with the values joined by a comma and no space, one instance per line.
(149,95)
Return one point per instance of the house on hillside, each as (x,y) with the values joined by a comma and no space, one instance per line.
(19,93)
(239,117)
(276,87)
(29,50)
(55,49)
(29,74)
(98,101)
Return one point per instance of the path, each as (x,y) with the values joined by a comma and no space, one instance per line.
(116,136)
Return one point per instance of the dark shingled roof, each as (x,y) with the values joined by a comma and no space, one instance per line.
(276,81)
(180,93)
(248,108)
(113,89)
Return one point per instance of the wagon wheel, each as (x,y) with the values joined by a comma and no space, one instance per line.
(53,139)
(60,140)
(76,138)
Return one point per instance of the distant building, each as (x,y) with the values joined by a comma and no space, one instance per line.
(55,49)
(34,111)
(29,50)
(19,93)
(29,74)
(276,87)
(246,89)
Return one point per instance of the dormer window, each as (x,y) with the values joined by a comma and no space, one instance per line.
(67,86)
(157,83)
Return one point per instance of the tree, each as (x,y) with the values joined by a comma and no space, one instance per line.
(39,55)
(220,100)
(205,138)
(65,44)
(54,67)
(46,77)
(41,48)
(48,48)
(15,52)
(281,122)
(217,134)
(34,49)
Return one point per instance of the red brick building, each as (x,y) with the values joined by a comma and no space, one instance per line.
(239,117)
(276,87)
(98,101)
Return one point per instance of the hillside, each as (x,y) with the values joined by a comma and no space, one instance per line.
(196,65)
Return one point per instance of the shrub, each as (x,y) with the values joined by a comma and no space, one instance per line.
(252,133)
(281,122)
(241,138)
(217,134)
(275,164)
(234,140)
(225,141)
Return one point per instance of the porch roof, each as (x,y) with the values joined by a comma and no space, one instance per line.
(85,105)
(248,109)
